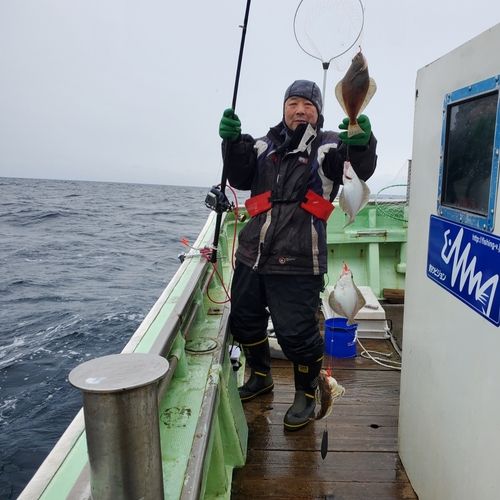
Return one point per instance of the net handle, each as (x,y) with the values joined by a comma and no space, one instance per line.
(326,65)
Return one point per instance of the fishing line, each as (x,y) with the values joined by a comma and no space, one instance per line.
(207,253)
(329,30)
(233,247)
(324,437)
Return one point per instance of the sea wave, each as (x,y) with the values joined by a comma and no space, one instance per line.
(82,264)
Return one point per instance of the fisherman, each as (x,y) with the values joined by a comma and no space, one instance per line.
(293,173)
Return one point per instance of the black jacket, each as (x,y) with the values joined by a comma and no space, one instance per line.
(286,239)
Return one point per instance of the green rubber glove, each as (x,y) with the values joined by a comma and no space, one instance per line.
(358,139)
(230,125)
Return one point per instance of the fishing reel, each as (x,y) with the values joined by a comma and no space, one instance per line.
(217,201)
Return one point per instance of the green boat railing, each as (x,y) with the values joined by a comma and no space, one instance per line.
(373,247)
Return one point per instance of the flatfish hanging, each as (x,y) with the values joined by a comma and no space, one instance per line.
(354,195)
(346,299)
(355,91)
(327,391)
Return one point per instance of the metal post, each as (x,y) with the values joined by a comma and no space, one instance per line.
(122,426)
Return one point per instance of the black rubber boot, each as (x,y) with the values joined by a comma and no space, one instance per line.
(302,410)
(258,358)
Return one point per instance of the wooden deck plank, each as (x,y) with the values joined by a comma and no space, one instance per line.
(362,387)
(307,488)
(336,468)
(362,460)
(341,415)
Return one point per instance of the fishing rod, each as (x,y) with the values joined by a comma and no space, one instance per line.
(216,198)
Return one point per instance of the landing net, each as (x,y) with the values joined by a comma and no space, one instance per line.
(393,200)
(329,30)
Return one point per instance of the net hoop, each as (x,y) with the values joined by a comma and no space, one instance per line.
(326,63)
(395,210)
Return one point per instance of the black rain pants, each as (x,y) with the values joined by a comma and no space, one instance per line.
(293,302)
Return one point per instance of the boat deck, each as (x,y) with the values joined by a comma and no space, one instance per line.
(362,460)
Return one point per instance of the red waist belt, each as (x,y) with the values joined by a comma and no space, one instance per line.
(313,203)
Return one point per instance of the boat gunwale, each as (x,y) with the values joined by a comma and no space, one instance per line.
(48,470)
(196,464)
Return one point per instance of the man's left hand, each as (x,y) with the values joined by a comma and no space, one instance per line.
(358,139)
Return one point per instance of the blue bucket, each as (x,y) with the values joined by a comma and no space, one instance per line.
(340,338)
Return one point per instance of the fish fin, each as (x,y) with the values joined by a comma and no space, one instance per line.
(340,97)
(354,129)
(361,304)
(335,306)
(366,194)
(342,201)
(349,222)
(338,390)
(361,299)
(317,392)
(372,88)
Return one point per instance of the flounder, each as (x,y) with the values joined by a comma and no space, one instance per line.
(355,91)
(354,195)
(327,391)
(346,299)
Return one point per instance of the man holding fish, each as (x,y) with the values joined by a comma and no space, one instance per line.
(294,174)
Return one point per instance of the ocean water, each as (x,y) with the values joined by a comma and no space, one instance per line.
(81,264)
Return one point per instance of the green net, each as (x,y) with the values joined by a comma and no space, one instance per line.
(393,200)
(392,204)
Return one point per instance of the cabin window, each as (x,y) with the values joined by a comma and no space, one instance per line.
(469,155)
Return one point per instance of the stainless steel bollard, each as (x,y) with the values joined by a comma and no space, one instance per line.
(122,426)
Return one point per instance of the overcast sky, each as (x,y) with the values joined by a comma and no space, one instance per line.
(133,91)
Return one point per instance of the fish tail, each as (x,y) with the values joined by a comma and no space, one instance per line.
(350,221)
(354,129)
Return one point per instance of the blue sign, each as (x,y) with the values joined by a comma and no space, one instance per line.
(466,263)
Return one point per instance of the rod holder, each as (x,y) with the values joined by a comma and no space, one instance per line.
(122,426)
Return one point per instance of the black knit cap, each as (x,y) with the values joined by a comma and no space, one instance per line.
(306,89)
